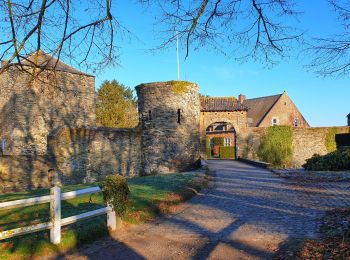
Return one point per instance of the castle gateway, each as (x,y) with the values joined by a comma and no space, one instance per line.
(49,122)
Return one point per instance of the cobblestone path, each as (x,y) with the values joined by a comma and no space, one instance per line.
(247,214)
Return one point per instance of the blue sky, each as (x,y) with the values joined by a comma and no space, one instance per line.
(323,101)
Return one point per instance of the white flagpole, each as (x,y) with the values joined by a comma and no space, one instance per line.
(177,56)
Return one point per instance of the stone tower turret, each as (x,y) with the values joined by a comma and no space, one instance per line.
(169,116)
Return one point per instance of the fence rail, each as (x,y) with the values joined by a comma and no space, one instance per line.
(56,222)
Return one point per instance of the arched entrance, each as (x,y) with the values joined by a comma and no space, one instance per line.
(221,140)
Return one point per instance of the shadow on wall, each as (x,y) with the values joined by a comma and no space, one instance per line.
(89,154)
(30,109)
(169,143)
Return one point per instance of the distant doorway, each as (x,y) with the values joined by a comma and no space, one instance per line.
(221,140)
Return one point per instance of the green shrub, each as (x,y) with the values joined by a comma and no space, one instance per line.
(207,147)
(329,140)
(219,141)
(276,146)
(338,160)
(115,191)
(227,152)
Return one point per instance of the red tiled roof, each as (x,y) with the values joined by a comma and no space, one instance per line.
(221,104)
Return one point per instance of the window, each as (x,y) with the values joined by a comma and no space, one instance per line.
(3,145)
(227,142)
(296,122)
(275,121)
(179,116)
(150,115)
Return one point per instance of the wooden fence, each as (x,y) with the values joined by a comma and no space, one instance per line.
(56,222)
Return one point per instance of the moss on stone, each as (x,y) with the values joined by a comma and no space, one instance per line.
(179,87)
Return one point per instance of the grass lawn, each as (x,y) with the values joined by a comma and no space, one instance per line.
(149,196)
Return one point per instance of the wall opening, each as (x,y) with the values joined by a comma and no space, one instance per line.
(221,136)
(179,116)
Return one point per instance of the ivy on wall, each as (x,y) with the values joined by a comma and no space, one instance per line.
(329,140)
(277,146)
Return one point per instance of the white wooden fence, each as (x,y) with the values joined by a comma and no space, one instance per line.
(56,222)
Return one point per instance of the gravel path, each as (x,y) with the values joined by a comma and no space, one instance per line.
(248,214)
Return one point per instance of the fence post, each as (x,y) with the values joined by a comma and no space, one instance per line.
(55,215)
(113,222)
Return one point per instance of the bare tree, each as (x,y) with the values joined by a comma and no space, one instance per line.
(331,55)
(80,31)
(255,29)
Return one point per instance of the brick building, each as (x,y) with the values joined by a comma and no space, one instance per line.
(227,117)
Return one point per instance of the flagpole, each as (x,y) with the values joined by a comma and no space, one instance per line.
(177,55)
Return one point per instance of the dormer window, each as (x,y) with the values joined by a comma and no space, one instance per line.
(275,121)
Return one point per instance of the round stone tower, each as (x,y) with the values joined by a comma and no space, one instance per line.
(169,116)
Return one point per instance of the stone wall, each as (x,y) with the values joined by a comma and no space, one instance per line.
(79,155)
(169,117)
(306,142)
(30,108)
(89,154)
(23,172)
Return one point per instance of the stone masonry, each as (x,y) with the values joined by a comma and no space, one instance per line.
(306,142)
(31,108)
(169,113)
(48,122)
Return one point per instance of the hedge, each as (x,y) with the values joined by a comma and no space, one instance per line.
(219,141)
(276,146)
(227,152)
(207,147)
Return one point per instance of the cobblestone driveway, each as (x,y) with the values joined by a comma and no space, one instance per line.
(246,215)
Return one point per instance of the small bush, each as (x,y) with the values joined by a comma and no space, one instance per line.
(227,152)
(219,141)
(338,160)
(276,146)
(115,191)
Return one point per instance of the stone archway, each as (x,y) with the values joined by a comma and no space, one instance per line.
(237,119)
(224,131)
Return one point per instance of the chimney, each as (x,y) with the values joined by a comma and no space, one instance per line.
(241,98)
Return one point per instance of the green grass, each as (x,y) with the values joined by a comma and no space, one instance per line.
(148,195)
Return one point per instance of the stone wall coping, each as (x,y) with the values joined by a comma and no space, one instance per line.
(95,129)
(163,84)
